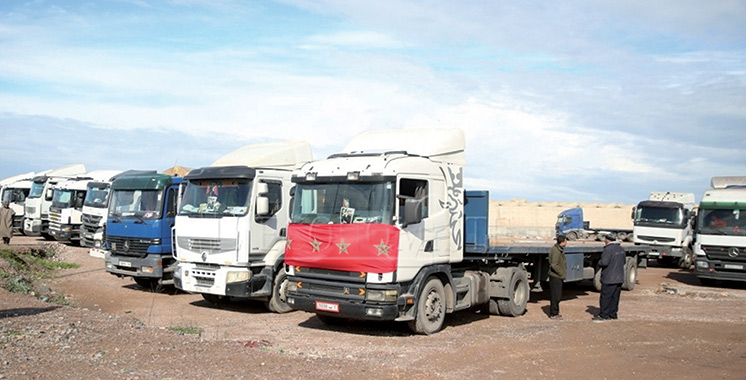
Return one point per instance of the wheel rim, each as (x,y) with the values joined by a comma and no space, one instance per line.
(433,307)
(519,293)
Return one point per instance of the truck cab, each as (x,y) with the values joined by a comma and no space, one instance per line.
(66,209)
(36,208)
(232,225)
(720,239)
(141,214)
(664,222)
(570,224)
(15,190)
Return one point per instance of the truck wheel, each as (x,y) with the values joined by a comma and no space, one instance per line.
(597,280)
(687,259)
(630,274)
(622,236)
(491,307)
(518,294)
(431,308)
(278,301)
(572,236)
(214,299)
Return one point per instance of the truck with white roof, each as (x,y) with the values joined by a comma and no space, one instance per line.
(36,218)
(720,237)
(68,200)
(15,190)
(385,230)
(664,222)
(231,227)
(95,210)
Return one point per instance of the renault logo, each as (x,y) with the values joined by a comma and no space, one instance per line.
(733,252)
(204,256)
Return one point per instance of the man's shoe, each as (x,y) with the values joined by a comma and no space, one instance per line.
(614,317)
(599,318)
(556,316)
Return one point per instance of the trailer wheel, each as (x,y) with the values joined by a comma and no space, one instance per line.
(622,236)
(518,294)
(572,236)
(431,308)
(630,274)
(278,301)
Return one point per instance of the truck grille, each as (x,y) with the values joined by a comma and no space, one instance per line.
(128,246)
(204,281)
(355,292)
(91,220)
(654,238)
(202,244)
(30,210)
(54,217)
(725,253)
(206,244)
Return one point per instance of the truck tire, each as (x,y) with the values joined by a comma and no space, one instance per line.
(572,236)
(491,307)
(278,301)
(630,274)
(431,308)
(622,236)
(518,294)
(687,258)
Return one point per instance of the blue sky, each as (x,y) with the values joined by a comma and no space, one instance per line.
(579,101)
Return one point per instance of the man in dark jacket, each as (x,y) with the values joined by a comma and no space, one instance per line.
(612,277)
(557,274)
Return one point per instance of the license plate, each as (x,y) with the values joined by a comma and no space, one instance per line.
(732,266)
(327,306)
(125,264)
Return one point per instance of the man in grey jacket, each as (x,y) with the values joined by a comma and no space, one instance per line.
(612,277)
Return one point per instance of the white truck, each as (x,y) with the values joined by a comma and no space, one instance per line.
(95,211)
(664,222)
(68,199)
(231,226)
(36,218)
(720,238)
(15,190)
(385,230)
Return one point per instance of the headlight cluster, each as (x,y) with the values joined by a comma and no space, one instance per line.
(702,264)
(388,295)
(241,276)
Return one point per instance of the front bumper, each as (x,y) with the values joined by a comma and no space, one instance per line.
(719,270)
(193,278)
(32,227)
(345,309)
(152,266)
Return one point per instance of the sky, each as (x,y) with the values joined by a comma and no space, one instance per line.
(571,101)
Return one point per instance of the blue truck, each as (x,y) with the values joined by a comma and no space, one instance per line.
(141,216)
(571,224)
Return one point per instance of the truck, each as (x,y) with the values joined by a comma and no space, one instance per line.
(664,223)
(231,227)
(36,218)
(68,199)
(720,232)
(15,190)
(571,224)
(385,230)
(141,213)
(95,210)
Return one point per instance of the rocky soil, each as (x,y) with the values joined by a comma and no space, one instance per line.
(669,327)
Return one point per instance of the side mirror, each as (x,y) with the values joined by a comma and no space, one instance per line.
(634,210)
(262,188)
(49,194)
(262,206)
(412,211)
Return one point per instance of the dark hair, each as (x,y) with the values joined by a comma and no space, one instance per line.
(561,239)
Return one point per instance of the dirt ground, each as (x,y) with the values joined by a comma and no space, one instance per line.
(670,327)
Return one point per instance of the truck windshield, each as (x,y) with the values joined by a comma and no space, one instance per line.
(140,204)
(339,203)
(667,216)
(62,198)
(97,196)
(37,188)
(722,221)
(215,198)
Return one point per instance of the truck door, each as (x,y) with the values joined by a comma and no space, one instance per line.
(265,228)
(420,237)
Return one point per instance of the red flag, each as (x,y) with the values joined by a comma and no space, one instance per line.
(356,247)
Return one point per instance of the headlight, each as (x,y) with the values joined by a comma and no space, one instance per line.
(177,272)
(97,244)
(702,264)
(155,241)
(292,286)
(231,277)
(389,295)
